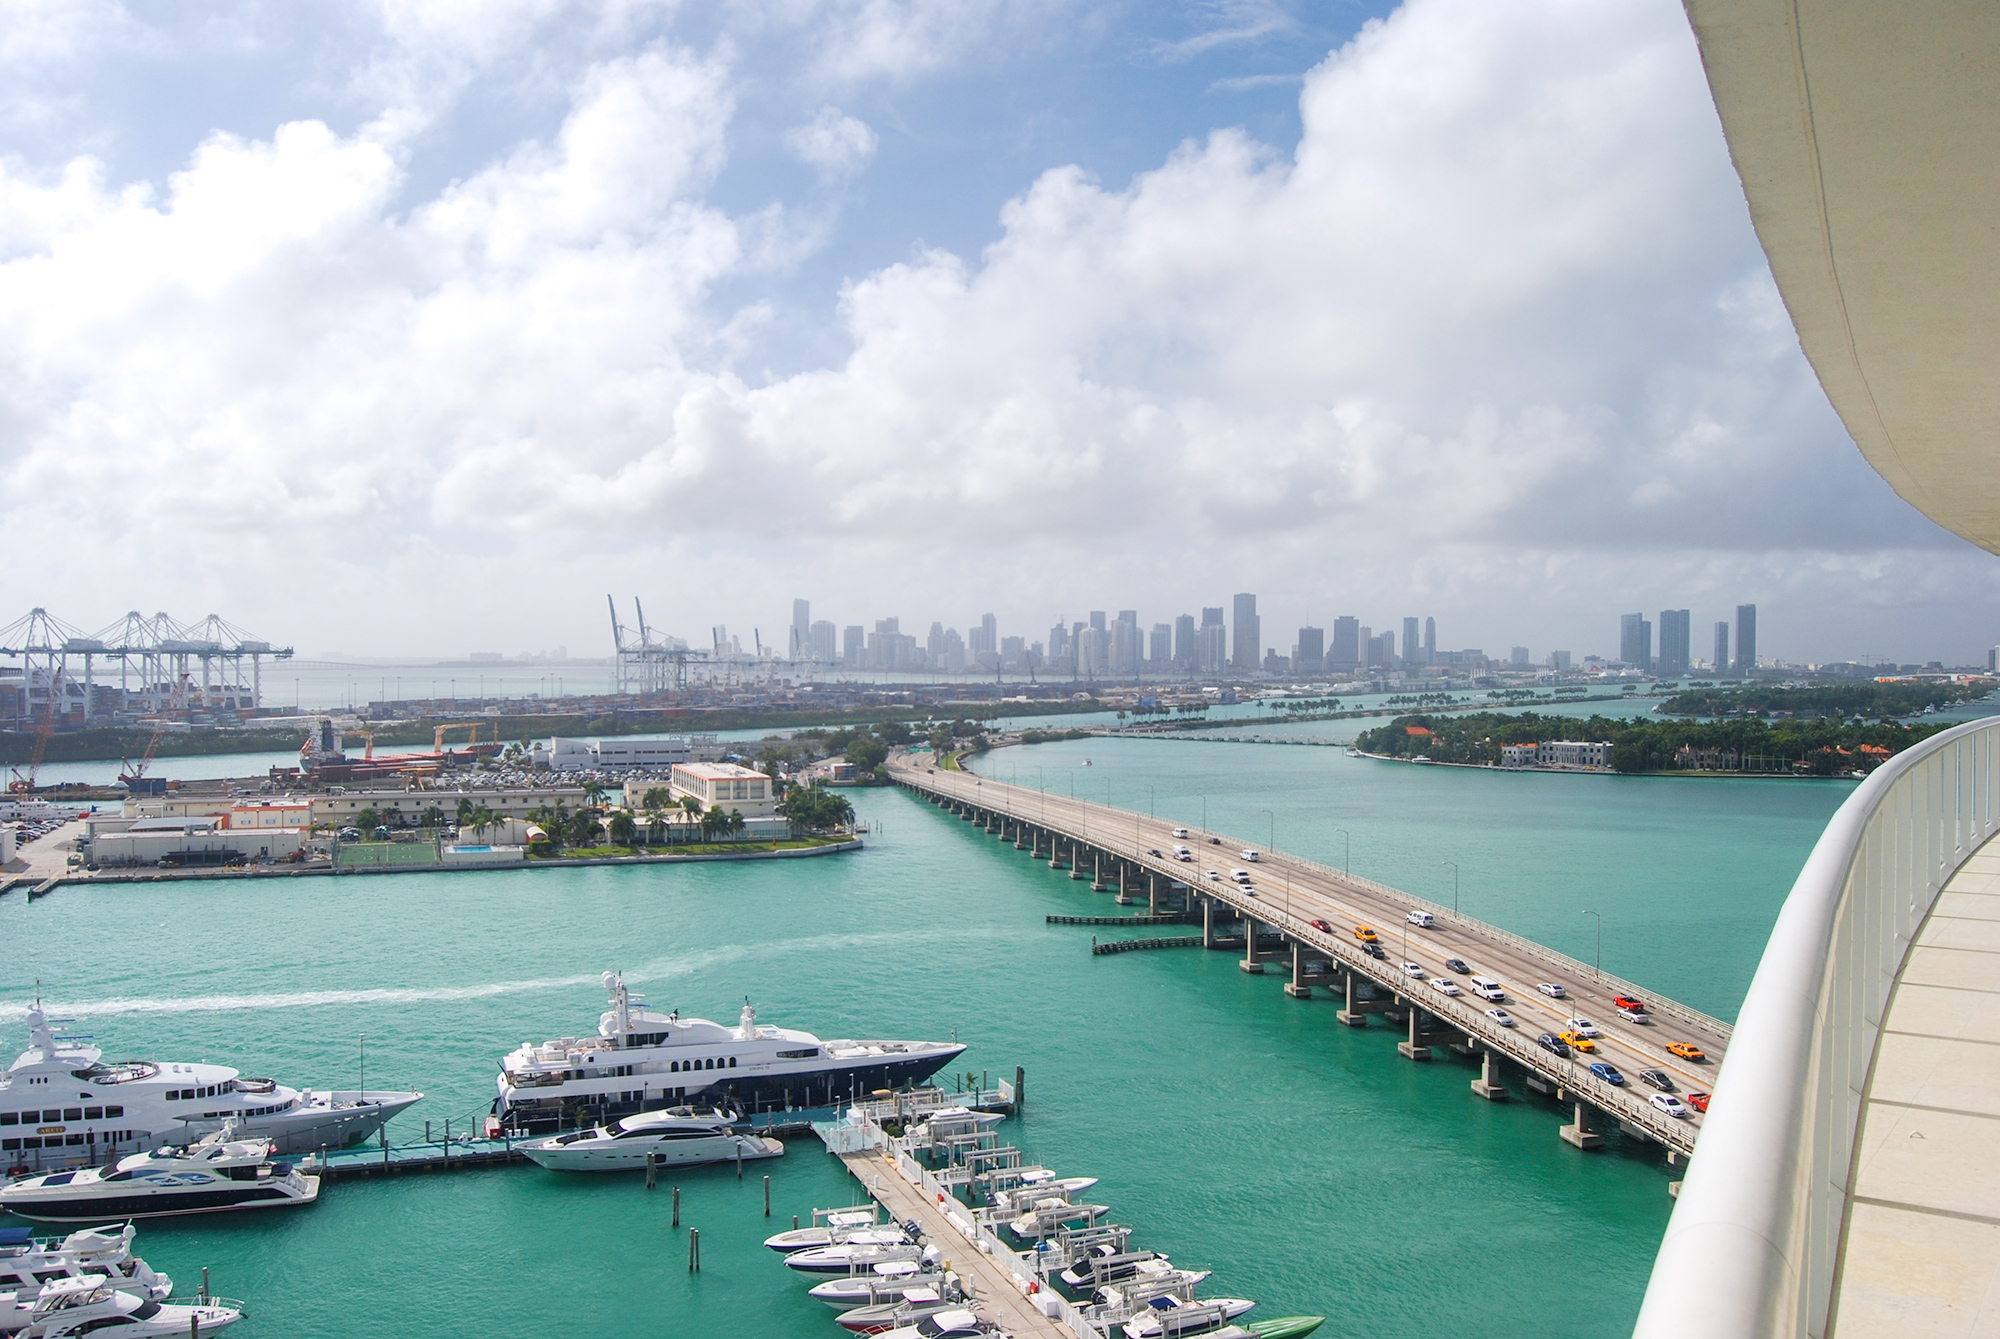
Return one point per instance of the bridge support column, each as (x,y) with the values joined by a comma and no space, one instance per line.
(1351,1016)
(1152,893)
(1076,865)
(1414,1048)
(1055,851)
(1249,962)
(1020,833)
(1298,989)
(1207,920)
(1097,884)
(1488,1084)
(1581,1134)
(1125,874)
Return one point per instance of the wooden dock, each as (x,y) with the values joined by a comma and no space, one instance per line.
(992,1283)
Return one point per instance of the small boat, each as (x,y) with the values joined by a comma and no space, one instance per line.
(849,1257)
(93,1304)
(861,1226)
(674,1137)
(952,1121)
(914,1305)
(27,1264)
(1019,1199)
(1170,1317)
(884,1283)
(1145,1284)
(215,1174)
(945,1325)
(1046,1215)
(1285,1327)
(1106,1264)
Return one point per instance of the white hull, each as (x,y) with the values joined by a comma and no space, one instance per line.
(629,1155)
(121,1203)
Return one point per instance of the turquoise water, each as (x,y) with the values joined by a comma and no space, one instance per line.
(1306,1163)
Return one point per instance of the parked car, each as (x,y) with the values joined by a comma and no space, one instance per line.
(1555,1045)
(1457,965)
(1366,935)
(1444,985)
(1501,1016)
(1550,989)
(1699,1101)
(1657,1078)
(1414,971)
(1322,927)
(1668,1103)
(1579,1042)
(1609,1073)
(1583,1027)
(1686,1051)
(1180,832)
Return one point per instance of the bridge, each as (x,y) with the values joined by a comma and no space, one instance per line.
(1302,918)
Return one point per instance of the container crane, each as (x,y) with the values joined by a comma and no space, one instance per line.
(26,786)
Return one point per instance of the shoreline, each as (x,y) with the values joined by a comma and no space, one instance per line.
(1678,773)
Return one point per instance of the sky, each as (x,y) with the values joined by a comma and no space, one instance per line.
(419,326)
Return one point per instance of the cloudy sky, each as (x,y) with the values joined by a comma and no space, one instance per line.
(419,326)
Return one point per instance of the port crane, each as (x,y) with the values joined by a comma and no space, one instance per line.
(138,772)
(26,785)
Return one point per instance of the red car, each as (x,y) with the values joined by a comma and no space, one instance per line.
(1699,1101)
(1628,1006)
(1322,927)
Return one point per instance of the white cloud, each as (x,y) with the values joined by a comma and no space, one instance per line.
(1497,331)
(835,145)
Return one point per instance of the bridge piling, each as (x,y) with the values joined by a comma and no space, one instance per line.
(1297,987)
(1097,871)
(1488,1084)
(1250,961)
(1582,1134)
(1414,1048)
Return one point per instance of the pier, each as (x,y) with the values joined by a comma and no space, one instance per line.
(1301,922)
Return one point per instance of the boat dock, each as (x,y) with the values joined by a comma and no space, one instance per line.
(1376,951)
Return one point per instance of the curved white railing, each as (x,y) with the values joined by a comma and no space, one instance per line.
(1754,1239)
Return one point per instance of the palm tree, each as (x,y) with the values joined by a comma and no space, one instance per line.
(464,811)
(482,819)
(593,791)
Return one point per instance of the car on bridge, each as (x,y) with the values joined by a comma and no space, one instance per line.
(1686,1051)
(1579,1042)
(1240,875)
(1657,1078)
(1373,950)
(1322,927)
(1414,971)
(1609,1073)
(1182,853)
(1214,874)
(1180,832)
(1457,965)
(1444,985)
(1366,935)
(1250,855)
(1553,1044)
(1631,1008)
(1423,920)
(1501,1016)
(1699,1101)
(1583,1027)
(1551,989)
(1668,1103)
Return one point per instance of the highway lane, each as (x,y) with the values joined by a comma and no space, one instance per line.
(1291,893)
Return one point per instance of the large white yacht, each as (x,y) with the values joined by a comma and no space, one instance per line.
(62,1105)
(219,1173)
(28,1263)
(642,1060)
(678,1137)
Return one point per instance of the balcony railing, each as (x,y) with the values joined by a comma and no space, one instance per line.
(1754,1240)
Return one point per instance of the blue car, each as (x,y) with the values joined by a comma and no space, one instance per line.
(1609,1073)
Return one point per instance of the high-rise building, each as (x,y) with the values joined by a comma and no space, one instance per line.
(1093,651)
(1161,653)
(1411,654)
(1635,641)
(984,637)
(1097,620)
(853,644)
(1309,656)
(1746,639)
(1381,650)
(1722,648)
(1559,661)
(1125,646)
(801,642)
(1430,641)
(1247,654)
(1212,648)
(1013,653)
(1211,618)
(1059,647)
(1184,648)
(1675,651)
(1520,658)
(825,642)
(1346,652)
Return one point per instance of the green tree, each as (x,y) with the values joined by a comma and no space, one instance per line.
(368,820)
(866,754)
(593,792)
(482,819)
(622,828)
(433,817)
(464,811)
(583,828)
(893,732)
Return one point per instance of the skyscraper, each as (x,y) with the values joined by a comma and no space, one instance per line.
(984,637)
(1635,641)
(1346,651)
(825,642)
(1184,647)
(853,644)
(1675,635)
(1746,639)
(1161,653)
(1309,656)
(1411,655)
(1212,647)
(1722,648)
(1430,641)
(802,622)
(1248,650)
(1125,644)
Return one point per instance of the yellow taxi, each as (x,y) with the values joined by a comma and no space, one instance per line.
(1685,1051)
(1579,1042)
(1366,935)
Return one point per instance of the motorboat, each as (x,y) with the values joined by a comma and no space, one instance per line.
(641,1059)
(1019,1199)
(884,1283)
(914,1305)
(952,1324)
(1107,1264)
(1281,1327)
(216,1174)
(861,1225)
(27,1264)
(63,1105)
(1171,1317)
(1141,1286)
(1046,1215)
(93,1304)
(954,1122)
(850,1257)
(675,1137)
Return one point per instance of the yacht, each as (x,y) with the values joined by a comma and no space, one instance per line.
(27,1264)
(1167,1317)
(884,1283)
(63,1105)
(957,1323)
(94,1304)
(1021,1198)
(641,1059)
(850,1257)
(676,1137)
(218,1173)
(914,1305)
(833,1226)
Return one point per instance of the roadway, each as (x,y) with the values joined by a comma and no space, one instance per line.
(1288,894)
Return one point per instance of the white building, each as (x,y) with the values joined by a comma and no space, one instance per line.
(192,841)
(1575,755)
(1519,755)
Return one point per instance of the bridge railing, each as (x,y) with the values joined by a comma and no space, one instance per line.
(1753,1244)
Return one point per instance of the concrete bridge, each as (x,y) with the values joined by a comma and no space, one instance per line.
(1302,918)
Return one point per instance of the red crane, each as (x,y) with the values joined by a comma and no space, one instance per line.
(26,786)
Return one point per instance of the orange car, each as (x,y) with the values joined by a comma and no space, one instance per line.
(1685,1051)
(1578,1041)
(1366,935)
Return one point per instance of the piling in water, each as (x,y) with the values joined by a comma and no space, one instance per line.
(694,1250)
(677,1206)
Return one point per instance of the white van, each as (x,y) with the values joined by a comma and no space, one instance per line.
(1182,853)
(1423,920)
(1180,832)
(1250,855)
(1240,875)
(1486,988)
